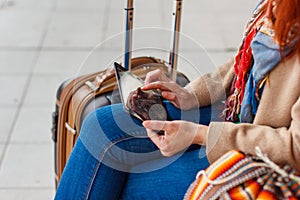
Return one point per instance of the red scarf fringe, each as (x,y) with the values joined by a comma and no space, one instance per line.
(243,64)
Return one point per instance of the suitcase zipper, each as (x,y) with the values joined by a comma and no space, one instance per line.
(69,128)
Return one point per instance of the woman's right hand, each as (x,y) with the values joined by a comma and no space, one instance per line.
(171,91)
(156,75)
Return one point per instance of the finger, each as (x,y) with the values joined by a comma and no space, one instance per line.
(151,133)
(154,124)
(153,76)
(159,85)
(155,138)
(153,85)
(169,95)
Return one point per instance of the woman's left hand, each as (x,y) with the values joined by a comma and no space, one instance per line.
(178,135)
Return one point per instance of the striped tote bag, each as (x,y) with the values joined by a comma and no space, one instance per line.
(240,176)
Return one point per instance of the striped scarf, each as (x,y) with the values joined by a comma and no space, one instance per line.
(242,65)
(257,56)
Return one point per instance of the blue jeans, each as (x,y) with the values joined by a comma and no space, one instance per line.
(114,159)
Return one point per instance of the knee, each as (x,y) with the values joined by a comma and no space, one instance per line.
(106,126)
(97,121)
(94,132)
(90,124)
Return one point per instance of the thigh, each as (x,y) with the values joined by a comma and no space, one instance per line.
(170,182)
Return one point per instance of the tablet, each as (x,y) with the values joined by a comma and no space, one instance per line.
(148,108)
(127,82)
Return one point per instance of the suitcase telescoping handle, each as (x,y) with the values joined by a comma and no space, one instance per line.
(128,38)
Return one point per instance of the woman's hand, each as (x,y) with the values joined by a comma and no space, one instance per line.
(156,75)
(171,91)
(178,136)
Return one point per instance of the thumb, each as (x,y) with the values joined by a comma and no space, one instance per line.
(154,124)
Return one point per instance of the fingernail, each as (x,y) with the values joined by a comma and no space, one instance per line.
(145,123)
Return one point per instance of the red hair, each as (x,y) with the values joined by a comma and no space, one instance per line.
(286,18)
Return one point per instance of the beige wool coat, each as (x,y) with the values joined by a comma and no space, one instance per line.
(276,126)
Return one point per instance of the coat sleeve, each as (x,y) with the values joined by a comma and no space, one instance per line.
(213,87)
(282,145)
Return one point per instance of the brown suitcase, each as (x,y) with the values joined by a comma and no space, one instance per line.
(78,97)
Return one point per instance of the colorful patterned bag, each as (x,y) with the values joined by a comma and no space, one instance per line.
(241,176)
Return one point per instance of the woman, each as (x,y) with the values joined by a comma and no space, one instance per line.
(114,159)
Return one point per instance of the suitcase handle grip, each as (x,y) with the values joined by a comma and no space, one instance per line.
(128,38)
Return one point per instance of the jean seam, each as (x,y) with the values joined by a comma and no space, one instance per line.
(101,156)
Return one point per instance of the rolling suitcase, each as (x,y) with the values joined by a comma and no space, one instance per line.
(78,97)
